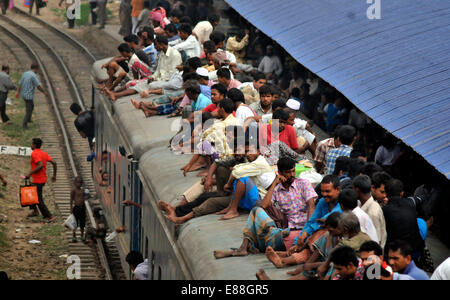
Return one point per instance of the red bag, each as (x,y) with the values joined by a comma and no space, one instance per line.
(28,194)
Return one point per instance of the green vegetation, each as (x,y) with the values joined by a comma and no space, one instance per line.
(59,12)
(51,237)
(16,113)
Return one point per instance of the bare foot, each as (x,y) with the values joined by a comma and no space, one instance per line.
(135,103)
(222,253)
(273,257)
(110,94)
(227,253)
(149,113)
(204,173)
(282,253)
(163,206)
(223,211)
(295,272)
(261,275)
(230,215)
(174,219)
(167,208)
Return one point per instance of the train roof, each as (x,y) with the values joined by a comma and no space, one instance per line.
(148,139)
(395,69)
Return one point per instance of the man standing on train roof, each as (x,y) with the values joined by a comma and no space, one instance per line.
(38,172)
(27,84)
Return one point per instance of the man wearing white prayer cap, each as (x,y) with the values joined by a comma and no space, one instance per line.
(305,138)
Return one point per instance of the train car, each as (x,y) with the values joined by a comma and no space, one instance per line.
(133,151)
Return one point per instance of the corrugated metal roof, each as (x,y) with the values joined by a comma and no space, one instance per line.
(395,69)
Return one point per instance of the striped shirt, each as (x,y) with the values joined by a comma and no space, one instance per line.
(28,83)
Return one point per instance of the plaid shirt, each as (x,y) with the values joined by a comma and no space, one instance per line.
(294,201)
(28,82)
(322,149)
(333,154)
(359,274)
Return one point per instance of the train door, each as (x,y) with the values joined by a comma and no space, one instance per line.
(136,194)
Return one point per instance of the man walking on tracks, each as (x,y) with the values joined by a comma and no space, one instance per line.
(38,172)
(5,86)
(27,84)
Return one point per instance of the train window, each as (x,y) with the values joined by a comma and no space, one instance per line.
(141,192)
(152,266)
(123,216)
(118,193)
(129,174)
(109,168)
(114,179)
(146,248)
(123,199)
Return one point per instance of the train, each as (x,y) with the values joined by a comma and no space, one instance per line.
(133,153)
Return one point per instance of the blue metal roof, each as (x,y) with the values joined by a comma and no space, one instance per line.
(395,69)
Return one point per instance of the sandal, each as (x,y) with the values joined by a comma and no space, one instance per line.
(51,219)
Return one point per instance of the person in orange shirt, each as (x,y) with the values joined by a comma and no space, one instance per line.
(38,172)
(138,6)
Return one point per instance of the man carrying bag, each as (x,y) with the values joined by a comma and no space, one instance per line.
(38,172)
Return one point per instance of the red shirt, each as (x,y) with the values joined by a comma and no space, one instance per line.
(210,108)
(287,136)
(213,108)
(36,156)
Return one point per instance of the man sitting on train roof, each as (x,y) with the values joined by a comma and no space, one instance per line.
(140,73)
(200,200)
(167,101)
(168,59)
(136,47)
(214,140)
(294,196)
(251,89)
(249,181)
(193,93)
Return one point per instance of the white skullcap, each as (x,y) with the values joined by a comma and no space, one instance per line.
(293,104)
(202,72)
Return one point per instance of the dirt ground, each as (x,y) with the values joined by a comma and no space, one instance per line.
(18,258)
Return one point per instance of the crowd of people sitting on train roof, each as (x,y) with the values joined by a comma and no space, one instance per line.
(356,204)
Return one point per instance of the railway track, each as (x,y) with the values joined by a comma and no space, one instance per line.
(65,65)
